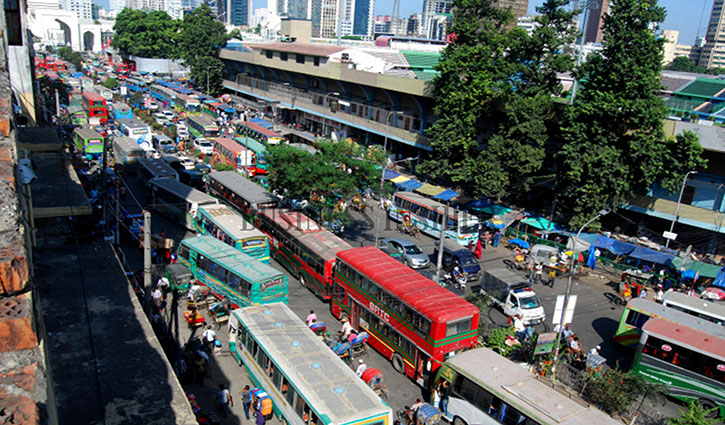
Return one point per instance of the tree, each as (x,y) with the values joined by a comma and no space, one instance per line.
(68,55)
(150,35)
(613,134)
(201,38)
(110,83)
(234,33)
(695,415)
(681,63)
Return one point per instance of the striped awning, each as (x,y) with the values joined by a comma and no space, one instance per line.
(430,190)
(399,179)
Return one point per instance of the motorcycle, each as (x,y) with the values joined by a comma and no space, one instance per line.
(458,283)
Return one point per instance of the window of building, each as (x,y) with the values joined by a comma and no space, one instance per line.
(316,60)
(12,16)
(300,58)
(283,56)
(269,54)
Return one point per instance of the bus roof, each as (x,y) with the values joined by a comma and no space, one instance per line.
(261,130)
(183,191)
(423,200)
(330,387)
(242,186)
(231,221)
(230,144)
(411,287)
(696,304)
(132,123)
(128,144)
(158,167)
(74,109)
(202,120)
(321,241)
(704,337)
(252,144)
(232,258)
(87,133)
(659,311)
(523,391)
(91,95)
(120,106)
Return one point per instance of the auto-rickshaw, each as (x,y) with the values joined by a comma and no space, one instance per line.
(179,276)
(374,378)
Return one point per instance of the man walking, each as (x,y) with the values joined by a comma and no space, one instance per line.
(223,401)
(246,400)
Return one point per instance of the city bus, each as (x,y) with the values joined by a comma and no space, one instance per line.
(120,111)
(306,381)
(487,388)
(135,84)
(303,247)
(77,116)
(260,152)
(187,103)
(154,168)
(228,272)
(88,141)
(412,321)
(231,153)
(427,215)
(241,193)
(687,357)
(257,132)
(126,152)
(73,84)
(709,310)
(86,84)
(201,126)
(177,200)
(135,129)
(105,92)
(95,105)
(231,228)
(162,94)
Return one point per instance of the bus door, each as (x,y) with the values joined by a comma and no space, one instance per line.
(423,366)
(355,319)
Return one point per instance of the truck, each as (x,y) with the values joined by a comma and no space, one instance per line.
(513,294)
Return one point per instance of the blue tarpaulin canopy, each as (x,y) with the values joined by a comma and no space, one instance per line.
(646,254)
(446,195)
(541,223)
(410,185)
(614,246)
(390,174)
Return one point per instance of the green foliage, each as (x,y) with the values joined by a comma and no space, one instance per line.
(235,33)
(220,166)
(201,38)
(146,34)
(615,390)
(694,415)
(68,55)
(613,135)
(110,83)
(135,99)
(496,340)
(258,29)
(683,63)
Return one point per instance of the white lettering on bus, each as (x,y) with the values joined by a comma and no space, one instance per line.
(379,312)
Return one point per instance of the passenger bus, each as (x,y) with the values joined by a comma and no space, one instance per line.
(86,83)
(73,84)
(427,215)
(303,247)
(121,111)
(105,92)
(259,150)
(257,132)
(154,168)
(95,105)
(126,152)
(243,194)
(412,321)
(307,383)
(201,126)
(77,116)
(687,357)
(88,141)
(228,272)
(162,94)
(177,200)
(135,129)
(231,228)
(135,84)
(487,388)
(231,153)
(187,103)
(209,107)
(711,311)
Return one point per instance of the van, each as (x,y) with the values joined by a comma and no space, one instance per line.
(163,143)
(540,253)
(455,255)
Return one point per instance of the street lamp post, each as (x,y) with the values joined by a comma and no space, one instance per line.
(568,291)
(677,208)
(382,175)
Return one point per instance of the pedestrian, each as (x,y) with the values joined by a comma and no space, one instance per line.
(311,318)
(445,393)
(496,239)
(164,285)
(209,336)
(200,370)
(346,329)
(595,350)
(659,295)
(259,417)
(539,271)
(519,327)
(246,400)
(486,239)
(157,297)
(223,401)
(361,368)
(643,292)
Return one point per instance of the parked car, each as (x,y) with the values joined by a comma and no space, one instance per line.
(179,162)
(163,143)
(412,255)
(204,146)
(191,178)
(159,118)
(202,168)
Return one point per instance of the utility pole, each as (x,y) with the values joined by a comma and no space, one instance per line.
(118,210)
(147,257)
(104,190)
(57,105)
(439,260)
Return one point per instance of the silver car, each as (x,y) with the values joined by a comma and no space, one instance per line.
(411,254)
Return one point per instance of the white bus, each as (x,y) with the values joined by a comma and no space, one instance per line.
(177,200)
(135,129)
(427,215)
(306,381)
(86,83)
(105,92)
(712,311)
(487,388)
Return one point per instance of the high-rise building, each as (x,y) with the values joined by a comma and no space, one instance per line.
(594,31)
(116,6)
(363,17)
(413,27)
(328,18)
(433,12)
(82,8)
(240,12)
(519,7)
(713,51)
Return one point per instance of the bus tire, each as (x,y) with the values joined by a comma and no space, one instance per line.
(397,362)
(459,421)
(710,407)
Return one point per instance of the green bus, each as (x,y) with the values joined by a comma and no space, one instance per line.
(202,127)
(260,151)
(305,380)
(487,388)
(88,141)
(228,272)
(231,228)
(77,116)
(687,357)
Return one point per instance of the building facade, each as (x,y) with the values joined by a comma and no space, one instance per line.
(713,51)
(240,12)
(434,13)
(363,17)
(593,33)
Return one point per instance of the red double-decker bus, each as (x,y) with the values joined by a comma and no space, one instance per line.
(95,105)
(303,247)
(411,320)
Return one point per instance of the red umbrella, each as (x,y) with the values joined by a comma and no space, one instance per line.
(714,294)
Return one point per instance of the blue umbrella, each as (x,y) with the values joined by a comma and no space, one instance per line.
(495,223)
(520,243)
(592,260)
(720,279)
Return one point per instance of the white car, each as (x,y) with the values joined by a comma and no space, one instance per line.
(204,146)
(168,114)
(153,106)
(160,118)
(186,162)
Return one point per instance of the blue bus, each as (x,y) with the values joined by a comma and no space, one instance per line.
(164,95)
(135,84)
(120,111)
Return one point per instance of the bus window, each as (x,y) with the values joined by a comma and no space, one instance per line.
(636,319)
(290,393)
(251,346)
(277,378)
